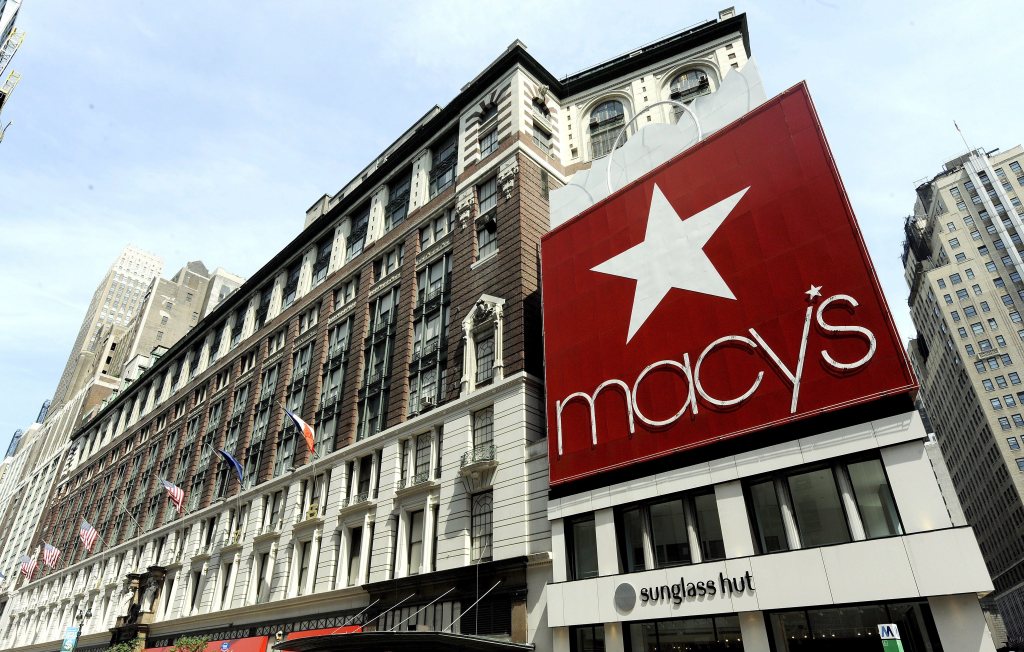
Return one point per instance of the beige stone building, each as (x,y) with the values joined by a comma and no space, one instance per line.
(963,263)
(114,304)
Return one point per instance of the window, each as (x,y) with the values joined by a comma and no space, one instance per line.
(582,547)
(985,307)
(485,360)
(398,200)
(987,384)
(541,137)
(606,121)
(355,545)
(961,294)
(346,292)
(304,550)
(677,634)
(955,279)
(1004,423)
(985,345)
(1014,378)
(309,319)
(955,315)
(970,349)
(435,229)
(285,452)
(1001,382)
(389,262)
(483,431)
(766,514)
(874,499)
(481,526)
(962,332)
(1013,443)
(977,328)
(954,243)
(275,342)
(588,638)
(655,533)
(489,143)
(1008,401)
(431,280)
(323,258)
(1018,420)
(850,627)
(1020,463)
(443,156)
(415,520)
(291,284)
(817,508)
(357,235)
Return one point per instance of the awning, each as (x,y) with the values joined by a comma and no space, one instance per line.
(402,642)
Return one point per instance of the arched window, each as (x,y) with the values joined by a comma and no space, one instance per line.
(688,85)
(605,122)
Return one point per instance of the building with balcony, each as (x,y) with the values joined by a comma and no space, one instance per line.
(963,265)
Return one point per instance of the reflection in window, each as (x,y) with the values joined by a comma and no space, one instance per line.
(818,509)
(582,547)
(874,499)
(854,628)
(706,634)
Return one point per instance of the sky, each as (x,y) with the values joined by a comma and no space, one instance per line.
(203,130)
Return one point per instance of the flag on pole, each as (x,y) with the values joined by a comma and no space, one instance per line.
(88,535)
(28,566)
(50,555)
(304,428)
(176,494)
(234,464)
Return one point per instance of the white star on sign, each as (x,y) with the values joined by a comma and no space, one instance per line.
(671,256)
(815,291)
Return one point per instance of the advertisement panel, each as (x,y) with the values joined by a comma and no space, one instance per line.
(725,292)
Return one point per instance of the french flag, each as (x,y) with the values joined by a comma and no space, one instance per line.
(305,429)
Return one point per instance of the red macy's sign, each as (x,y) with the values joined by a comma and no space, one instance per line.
(725,292)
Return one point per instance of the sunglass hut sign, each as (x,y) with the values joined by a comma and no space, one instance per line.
(726,292)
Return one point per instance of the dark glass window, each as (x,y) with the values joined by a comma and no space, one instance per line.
(818,508)
(837,629)
(701,633)
(582,546)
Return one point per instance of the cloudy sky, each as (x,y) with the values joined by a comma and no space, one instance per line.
(203,130)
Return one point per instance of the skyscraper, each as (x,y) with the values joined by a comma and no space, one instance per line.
(115,302)
(962,261)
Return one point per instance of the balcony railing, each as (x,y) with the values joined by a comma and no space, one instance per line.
(481,453)
(357,499)
(416,479)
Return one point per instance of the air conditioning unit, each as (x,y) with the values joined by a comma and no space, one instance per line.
(427,403)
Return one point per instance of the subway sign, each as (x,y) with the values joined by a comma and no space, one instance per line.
(725,292)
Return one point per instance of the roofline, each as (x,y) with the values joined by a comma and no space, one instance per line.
(425,131)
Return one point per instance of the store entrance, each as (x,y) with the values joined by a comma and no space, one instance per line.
(853,628)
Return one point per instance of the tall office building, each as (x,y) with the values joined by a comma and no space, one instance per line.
(963,263)
(115,302)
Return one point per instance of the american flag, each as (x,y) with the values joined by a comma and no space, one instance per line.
(28,565)
(50,555)
(175,492)
(88,535)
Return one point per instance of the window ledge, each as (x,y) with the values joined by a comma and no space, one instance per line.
(491,256)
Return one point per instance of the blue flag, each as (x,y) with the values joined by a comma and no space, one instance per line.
(234,464)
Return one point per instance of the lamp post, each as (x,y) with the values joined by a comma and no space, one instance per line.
(71,634)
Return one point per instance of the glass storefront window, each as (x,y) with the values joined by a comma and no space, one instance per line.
(701,634)
(587,638)
(668,533)
(818,509)
(632,538)
(853,629)
(768,523)
(709,528)
(583,548)
(874,499)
